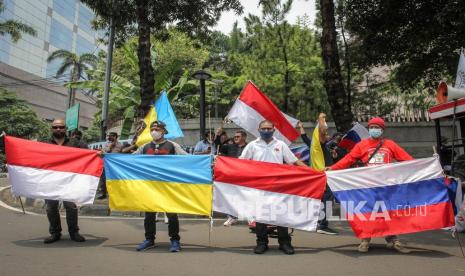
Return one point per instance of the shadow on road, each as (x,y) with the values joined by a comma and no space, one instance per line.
(350,250)
(91,241)
(162,247)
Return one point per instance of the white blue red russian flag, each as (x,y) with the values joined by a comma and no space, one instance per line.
(353,136)
(397,198)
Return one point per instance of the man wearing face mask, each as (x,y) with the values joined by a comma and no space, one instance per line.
(59,138)
(269,149)
(375,150)
(160,146)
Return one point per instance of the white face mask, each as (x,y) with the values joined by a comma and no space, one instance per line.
(156,135)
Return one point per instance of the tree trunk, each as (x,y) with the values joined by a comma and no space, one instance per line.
(332,77)
(287,85)
(146,73)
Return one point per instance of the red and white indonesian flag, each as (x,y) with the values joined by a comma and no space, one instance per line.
(40,170)
(253,106)
(276,194)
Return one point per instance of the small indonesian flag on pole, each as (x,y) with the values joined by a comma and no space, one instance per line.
(253,106)
(276,194)
(39,170)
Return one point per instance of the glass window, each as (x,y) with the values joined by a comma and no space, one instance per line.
(65,8)
(85,18)
(4,50)
(60,36)
(8,12)
(83,46)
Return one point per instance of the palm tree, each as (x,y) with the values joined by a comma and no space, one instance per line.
(77,64)
(14,27)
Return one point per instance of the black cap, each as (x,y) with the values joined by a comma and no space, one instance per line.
(159,124)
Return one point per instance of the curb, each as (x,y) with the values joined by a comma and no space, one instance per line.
(116,215)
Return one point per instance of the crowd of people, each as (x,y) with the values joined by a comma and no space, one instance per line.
(266,148)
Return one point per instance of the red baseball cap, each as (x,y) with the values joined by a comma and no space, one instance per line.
(377,121)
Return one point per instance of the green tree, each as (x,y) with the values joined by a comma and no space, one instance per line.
(282,59)
(420,39)
(192,16)
(14,28)
(18,119)
(76,63)
(173,60)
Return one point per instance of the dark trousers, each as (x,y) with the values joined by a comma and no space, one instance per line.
(262,234)
(53,216)
(327,196)
(150,226)
(103,183)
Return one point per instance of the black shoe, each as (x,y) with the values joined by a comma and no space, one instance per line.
(286,248)
(326,231)
(77,237)
(260,249)
(53,238)
(102,196)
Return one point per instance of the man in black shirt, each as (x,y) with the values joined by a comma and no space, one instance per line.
(159,146)
(59,138)
(234,150)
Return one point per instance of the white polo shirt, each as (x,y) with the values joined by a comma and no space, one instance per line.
(274,152)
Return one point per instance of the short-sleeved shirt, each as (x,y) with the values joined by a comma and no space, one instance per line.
(164,148)
(274,152)
(203,146)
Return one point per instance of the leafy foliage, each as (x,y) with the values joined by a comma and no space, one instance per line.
(419,38)
(18,119)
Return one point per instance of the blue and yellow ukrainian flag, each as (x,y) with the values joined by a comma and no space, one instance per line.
(161,111)
(159,183)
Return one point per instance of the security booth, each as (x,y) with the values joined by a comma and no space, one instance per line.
(450,111)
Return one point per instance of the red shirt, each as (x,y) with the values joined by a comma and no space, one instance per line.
(388,152)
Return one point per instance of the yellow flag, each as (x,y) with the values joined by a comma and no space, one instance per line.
(145,136)
(316,152)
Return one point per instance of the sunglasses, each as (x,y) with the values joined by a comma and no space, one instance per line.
(58,127)
(237,136)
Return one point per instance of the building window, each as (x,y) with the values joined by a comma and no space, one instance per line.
(83,46)
(85,19)
(65,8)
(60,36)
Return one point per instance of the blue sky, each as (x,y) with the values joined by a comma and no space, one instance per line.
(299,8)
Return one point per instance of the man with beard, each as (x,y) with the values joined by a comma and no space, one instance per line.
(59,138)
(160,146)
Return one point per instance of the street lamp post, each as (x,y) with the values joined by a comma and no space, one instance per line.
(202,76)
(219,83)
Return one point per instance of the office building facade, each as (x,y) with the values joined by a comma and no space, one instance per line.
(60,24)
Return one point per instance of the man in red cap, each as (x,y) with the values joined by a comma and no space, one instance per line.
(375,150)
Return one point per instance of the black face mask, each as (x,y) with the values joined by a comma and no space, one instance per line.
(58,135)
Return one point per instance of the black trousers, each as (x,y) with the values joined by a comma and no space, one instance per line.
(323,220)
(262,234)
(53,216)
(150,226)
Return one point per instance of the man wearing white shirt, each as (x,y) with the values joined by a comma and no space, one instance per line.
(269,149)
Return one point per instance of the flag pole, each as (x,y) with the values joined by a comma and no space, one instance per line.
(22,207)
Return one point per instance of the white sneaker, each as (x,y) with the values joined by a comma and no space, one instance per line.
(230,221)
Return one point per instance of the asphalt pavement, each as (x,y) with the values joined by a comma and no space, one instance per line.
(110,250)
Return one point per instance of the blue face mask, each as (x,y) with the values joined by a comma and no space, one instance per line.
(266,135)
(375,132)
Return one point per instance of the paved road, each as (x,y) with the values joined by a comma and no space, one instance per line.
(110,251)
